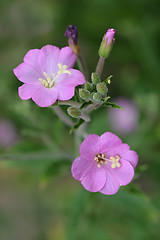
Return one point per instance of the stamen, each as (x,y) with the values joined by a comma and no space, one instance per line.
(101,159)
(49,81)
(62,69)
(45,74)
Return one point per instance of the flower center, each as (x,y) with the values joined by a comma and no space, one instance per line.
(101,159)
(49,81)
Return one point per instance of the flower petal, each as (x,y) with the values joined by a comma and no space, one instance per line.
(66,84)
(124,174)
(48,59)
(90,147)
(67,57)
(118,150)
(26,91)
(27,74)
(31,58)
(45,97)
(80,168)
(111,186)
(95,179)
(131,156)
(76,77)
(109,140)
(66,92)
(65,88)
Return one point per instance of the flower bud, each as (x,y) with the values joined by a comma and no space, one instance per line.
(72,34)
(107,43)
(74,112)
(91,96)
(84,94)
(97,97)
(95,78)
(102,88)
(88,86)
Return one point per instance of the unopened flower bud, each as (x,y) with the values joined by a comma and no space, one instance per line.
(74,112)
(88,86)
(95,78)
(72,34)
(102,88)
(97,97)
(91,96)
(84,94)
(107,43)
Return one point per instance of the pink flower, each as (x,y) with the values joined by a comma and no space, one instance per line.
(47,75)
(124,121)
(8,133)
(104,164)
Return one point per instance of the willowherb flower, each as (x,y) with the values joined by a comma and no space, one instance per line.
(48,75)
(8,133)
(107,43)
(104,164)
(124,121)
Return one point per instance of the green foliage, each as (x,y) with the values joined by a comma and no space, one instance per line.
(113,105)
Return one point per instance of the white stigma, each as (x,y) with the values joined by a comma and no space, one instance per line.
(49,81)
(115,161)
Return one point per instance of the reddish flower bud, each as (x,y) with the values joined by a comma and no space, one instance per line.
(107,43)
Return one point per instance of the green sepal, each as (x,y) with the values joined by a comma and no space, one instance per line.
(105,48)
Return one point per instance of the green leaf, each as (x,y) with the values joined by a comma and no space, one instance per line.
(113,105)
(108,79)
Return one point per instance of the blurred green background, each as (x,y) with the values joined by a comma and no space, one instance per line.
(39,199)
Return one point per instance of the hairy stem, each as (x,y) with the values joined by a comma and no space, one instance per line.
(64,118)
(100,65)
(70,103)
(81,65)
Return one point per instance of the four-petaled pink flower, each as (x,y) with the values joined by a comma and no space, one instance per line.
(104,164)
(47,75)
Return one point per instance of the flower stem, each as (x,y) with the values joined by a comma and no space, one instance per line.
(79,134)
(70,103)
(100,65)
(81,65)
(66,120)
